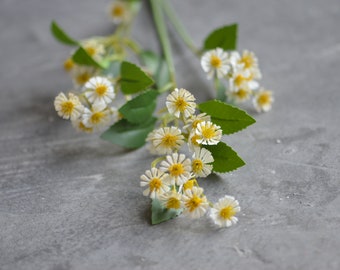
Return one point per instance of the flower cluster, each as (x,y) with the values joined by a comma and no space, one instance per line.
(172,178)
(241,73)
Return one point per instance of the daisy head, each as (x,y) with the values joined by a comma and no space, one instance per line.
(248,60)
(99,90)
(193,140)
(69,64)
(80,126)
(94,49)
(215,63)
(166,140)
(155,181)
(68,107)
(119,11)
(201,160)
(194,120)
(263,100)
(81,74)
(178,167)
(240,95)
(208,133)
(223,212)
(194,202)
(98,118)
(181,102)
(171,199)
(190,184)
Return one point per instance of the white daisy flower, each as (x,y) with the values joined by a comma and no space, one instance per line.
(200,162)
(69,64)
(242,79)
(181,101)
(223,212)
(192,122)
(178,167)
(68,108)
(99,90)
(166,140)
(215,63)
(155,180)
(240,95)
(248,60)
(81,74)
(208,133)
(193,140)
(98,118)
(94,49)
(119,12)
(190,184)
(80,126)
(263,100)
(171,199)
(194,202)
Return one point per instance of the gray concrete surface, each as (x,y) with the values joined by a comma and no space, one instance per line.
(70,201)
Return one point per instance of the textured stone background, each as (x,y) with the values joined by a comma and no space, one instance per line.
(70,201)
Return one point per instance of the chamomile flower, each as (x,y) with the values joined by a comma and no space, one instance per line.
(94,49)
(190,184)
(200,162)
(240,95)
(80,126)
(223,212)
(208,133)
(119,12)
(194,202)
(263,100)
(242,79)
(68,108)
(178,167)
(171,199)
(99,90)
(155,180)
(166,140)
(194,120)
(215,63)
(69,64)
(181,101)
(192,140)
(81,74)
(98,118)
(248,60)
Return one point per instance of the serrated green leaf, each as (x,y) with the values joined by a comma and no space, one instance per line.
(140,109)
(133,79)
(157,67)
(224,37)
(162,214)
(225,158)
(61,36)
(127,134)
(81,57)
(229,118)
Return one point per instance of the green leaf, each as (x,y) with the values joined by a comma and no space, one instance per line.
(157,66)
(225,158)
(229,118)
(61,36)
(133,79)
(224,37)
(140,109)
(161,214)
(127,134)
(81,57)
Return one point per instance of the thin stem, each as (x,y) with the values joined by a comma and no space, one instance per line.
(163,36)
(169,11)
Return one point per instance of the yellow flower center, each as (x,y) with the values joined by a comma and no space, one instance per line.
(181,104)
(242,93)
(83,78)
(208,132)
(215,61)
(193,203)
(90,51)
(97,117)
(194,140)
(84,128)
(247,60)
(68,64)
(239,80)
(117,11)
(227,212)
(169,140)
(155,184)
(196,122)
(189,184)
(263,99)
(197,165)
(101,89)
(67,107)
(176,169)
(173,203)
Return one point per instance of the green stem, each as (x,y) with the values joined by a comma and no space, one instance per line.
(163,36)
(169,11)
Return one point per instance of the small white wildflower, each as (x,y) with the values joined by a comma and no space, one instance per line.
(119,12)
(166,140)
(80,126)
(154,179)
(192,140)
(171,199)
(194,202)
(223,212)
(192,122)
(240,95)
(200,162)
(68,108)
(242,79)
(208,133)
(99,90)
(181,101)
(215,63)
(263,100)
(94,49)
(98,118)
(178,167)
(69,64)
(81,74)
